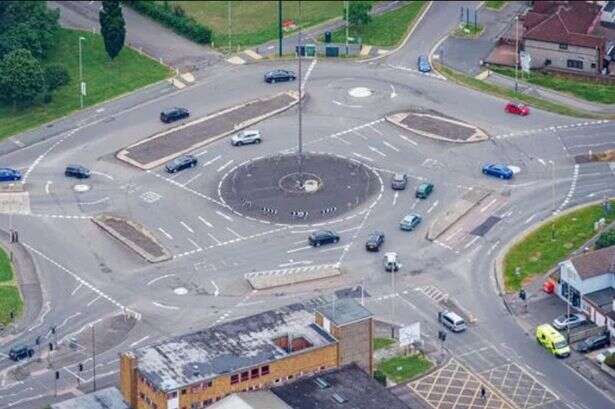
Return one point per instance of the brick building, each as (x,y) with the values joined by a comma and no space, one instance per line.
(194,370)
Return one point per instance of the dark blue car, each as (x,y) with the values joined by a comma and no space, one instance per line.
(498,170)
(423,64)
(9,174)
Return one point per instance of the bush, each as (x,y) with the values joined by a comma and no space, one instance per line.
(380,377)
(610,361)
(606,239)
(56,75)
(174,19)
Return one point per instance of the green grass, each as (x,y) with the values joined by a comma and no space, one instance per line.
(538,253)
(495,4)
(404,368)
(385,30)
(468,30)
(587,90)
(6,269)
(503,92)
(382,343)
(129,71)
(10,300)
(256,22)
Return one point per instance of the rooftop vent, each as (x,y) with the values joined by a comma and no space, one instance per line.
(339,398)
(195,370)
(322,384)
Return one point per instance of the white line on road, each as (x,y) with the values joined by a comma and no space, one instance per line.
(239,236)
(362,157)
(295,263)
(371,148)
(93,301)
(227,217)
(67,319)
(186,227)
(94,172)
(405,138)
(529,219)
(542,162)
(159,278)
(47,186)
(167,307)
(198,155)
(134,344)
(76,289)
(393,93)
(95,202)
(433,206)
(192,179)
(375,130)
(471,242)
(349,229)
(226,165)
(205,222)
(346,105)
(216,289)
(214,239)
(497,243)
(167,235)
(298,249)
(196,246)
(335,248)
(391,146)
(339,138)
(488,205)
(302,231)
(209,162)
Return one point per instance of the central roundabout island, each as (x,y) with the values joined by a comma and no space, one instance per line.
(290,189)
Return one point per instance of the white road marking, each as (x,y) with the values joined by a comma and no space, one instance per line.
(186,227)
(471,242)
(134,344)
(93,301)
(302,231)
(94,172)
(226,165)
(159,278)
(196,246)
(167,307)
(339,138)
(395,198)
(198,155)
(209,162)
(488,205)
(214,239)
(373,128)
(360,134)
(362,157)
(542,162)
(46,310)
(433,206)
(298,249)
(307,75)
(393,93)
(391,146)
(497,243)
(216,289)
(371,148)
(76,289)
(167,235)
(95,202)
(346,105)
(193,178)
(205,222)
(239,236)
(349,229)
(529,219)
(405,138)
(335,248)
(295,263)
(47,186)
(227,217)
(67,319)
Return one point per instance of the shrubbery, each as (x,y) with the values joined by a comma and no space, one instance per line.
(380,377)
(174,18)
(606,239)
(56,75)
(610,361)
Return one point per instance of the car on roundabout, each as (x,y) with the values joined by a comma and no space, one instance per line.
(410,222)
(423,64)
(517,109)
(320,237)
(399,181)
(248,137)
(274,76)
(374,241)
(424,190)
(497,170)
(9,174)
(180,163)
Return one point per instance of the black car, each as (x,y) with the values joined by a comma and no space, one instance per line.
(595,342)
(174,114)
(279,76)
(399,181)
(320,237)
(374,241)
(20,352)
(77,171)
(180,163)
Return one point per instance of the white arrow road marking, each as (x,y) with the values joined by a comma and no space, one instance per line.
(433,206)
(47,186)
(371,148)
(395,198)
(94,172)
(393,93)
(389,145)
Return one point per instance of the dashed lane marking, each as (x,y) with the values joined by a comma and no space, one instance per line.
(239,236)
(573,186)
(211,236)
(205,222)
(226,216)
(209,162)
(376,150)
(550,128)
(358,155)
(167,235)
(390,146)
(226,165)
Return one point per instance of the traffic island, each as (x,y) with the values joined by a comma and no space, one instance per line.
(286,190)
(134,236)
(164,146)
(261,280)
(435,125)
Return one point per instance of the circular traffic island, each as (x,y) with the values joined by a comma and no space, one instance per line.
(283,189)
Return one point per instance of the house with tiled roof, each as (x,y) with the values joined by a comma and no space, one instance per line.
(587,283)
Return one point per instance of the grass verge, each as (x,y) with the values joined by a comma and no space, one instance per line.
(385,30)
(538,252)
(587,90)
(382,343)
(6,269)
(128,72)
(495,4)
(503,92)
(468,30)
(403,368)
(10,301)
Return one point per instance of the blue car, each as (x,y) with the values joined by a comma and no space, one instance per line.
(498,170)
(410,222)
(9,174)
(423,64)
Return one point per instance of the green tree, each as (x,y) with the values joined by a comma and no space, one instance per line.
(21,78)
(29,25)
(606,239)
(358,13)
(56,75)
(112,27)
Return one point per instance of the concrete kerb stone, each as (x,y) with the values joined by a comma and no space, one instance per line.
(279,279)
(101,221)
(398,118)
(122,154)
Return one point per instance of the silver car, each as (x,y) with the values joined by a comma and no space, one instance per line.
(569,320)
(246,137)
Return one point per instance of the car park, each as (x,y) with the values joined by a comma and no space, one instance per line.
(246,137)
(595,342)
(498,170)
(19,352)
(553,341)
(569,320)
(517,109)
(423,64)
(452,321)
(399,181)
(390,262)
(374,241)
(180,163)
(410,222)
(424,190)
(320,237)
(8,174)
(77,171)
(274,76)
(174,114)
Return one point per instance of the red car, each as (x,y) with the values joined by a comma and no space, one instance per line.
(518,109)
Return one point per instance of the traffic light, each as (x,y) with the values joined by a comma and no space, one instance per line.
(80,367)
(12,315)
(53,330)
(51,346)
(522,294)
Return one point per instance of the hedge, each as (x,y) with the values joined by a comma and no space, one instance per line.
(174,18)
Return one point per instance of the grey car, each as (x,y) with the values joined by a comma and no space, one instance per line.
(410,222)
(399,181)
(246,138)
(569,320)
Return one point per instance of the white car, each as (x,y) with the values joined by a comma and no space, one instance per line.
(246,137)
(569,320)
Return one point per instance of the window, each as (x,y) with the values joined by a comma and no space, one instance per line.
(563,46)
(234,379)
(207,402)
(254,373)
(265,370)
(577,64)
(594,65)
(322,368)
(245,376)
(547,62)
(172,395)
(183,391)
(209,384)
(141,395)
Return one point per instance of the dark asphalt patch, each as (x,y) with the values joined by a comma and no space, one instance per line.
(484,227)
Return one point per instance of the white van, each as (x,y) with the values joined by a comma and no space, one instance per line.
(452,321)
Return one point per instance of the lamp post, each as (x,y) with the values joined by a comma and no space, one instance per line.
(93,358)
(347,6)
(230,27)
(81,83)
(552,162)
(516,52)
(300,146)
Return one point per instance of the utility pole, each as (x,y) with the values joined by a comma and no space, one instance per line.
(552,198)
(230,27)
(392,303)
(280,32)
(300,147)
(81,83)
(347,6)
(93,358)
(516,52)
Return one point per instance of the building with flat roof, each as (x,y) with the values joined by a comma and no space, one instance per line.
(108,398)
(197,369)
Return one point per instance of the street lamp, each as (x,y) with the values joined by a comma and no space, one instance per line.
(346,3)
(230,27)
(516,52)
(81,82)
(552,162)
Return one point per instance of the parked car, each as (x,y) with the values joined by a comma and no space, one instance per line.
(279,75)
(569,320)
(246,137)
(180,163)
(595,342)
(424,190)
(20,352)
(399,181)
(553,341)
(8,174)
(77,171)
(320,237)
(452,321)
(174,114)
(423,64)
(410,222)
(498,170)
(517,109)
(390,262)
(374,241)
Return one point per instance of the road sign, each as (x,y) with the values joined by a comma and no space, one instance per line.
(410,334)
(83,90)
(526,61)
